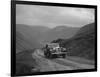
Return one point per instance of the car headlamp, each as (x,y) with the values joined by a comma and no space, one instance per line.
(64,49)
(51,49)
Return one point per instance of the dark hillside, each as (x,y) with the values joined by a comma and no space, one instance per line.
(25,63)
(82,44)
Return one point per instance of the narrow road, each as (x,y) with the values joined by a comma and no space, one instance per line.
(57,64)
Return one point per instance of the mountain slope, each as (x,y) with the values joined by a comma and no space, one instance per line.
(82,44)
(87,29)
(31,31)
(22,43)
(45,34)
(60,32)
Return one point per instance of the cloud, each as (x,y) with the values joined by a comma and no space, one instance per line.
(53,16)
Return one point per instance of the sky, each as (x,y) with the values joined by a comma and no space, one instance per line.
(52,16)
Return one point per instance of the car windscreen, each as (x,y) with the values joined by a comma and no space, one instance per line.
(53,45)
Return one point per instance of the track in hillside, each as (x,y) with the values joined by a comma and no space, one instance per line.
(57,64)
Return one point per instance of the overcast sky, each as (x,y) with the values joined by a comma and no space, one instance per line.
(52,16)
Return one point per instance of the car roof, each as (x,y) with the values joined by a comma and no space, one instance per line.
(53,44)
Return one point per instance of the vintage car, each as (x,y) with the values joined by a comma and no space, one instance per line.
(53,50)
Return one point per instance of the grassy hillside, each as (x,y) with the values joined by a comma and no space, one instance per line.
(87,29)
(31,32)
(41,33)
(82,44)
(60,32)
(25,63)
(23,43)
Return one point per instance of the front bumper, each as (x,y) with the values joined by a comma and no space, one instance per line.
(59,53)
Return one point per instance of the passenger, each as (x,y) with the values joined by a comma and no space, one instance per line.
(47,48)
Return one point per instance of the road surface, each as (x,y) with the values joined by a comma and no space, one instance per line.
(58,64)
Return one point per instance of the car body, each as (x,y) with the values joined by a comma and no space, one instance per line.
(52,50)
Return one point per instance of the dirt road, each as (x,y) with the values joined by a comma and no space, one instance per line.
(57,64)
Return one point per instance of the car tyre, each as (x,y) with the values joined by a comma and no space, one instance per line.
(64,56)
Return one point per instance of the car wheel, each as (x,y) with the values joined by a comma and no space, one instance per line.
(64,56)
(50,55)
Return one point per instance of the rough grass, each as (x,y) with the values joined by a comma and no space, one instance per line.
(25,63)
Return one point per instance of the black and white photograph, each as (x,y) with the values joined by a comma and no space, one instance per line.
(54,39)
